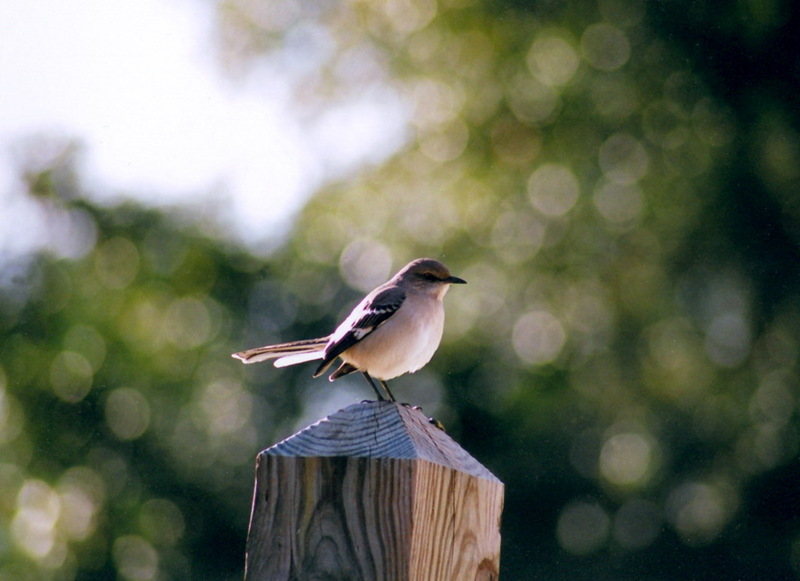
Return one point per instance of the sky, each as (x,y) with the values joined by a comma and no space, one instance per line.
(137,84)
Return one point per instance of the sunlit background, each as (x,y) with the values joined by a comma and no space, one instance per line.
(160,113)
(617,181)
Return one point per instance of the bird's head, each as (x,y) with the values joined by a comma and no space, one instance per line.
(430,275)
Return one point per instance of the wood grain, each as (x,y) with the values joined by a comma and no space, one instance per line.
(373,492)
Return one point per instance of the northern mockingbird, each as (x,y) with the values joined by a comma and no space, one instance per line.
(394,330)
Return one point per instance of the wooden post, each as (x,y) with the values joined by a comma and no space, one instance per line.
(373,492)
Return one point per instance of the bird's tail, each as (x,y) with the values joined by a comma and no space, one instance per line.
(286,353)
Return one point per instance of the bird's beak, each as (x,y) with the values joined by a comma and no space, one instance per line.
(455,280)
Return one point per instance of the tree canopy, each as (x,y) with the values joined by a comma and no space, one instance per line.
(617,182)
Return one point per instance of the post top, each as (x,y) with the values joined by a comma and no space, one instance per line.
(379,429)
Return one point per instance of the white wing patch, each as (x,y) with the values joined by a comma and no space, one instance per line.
(360,332)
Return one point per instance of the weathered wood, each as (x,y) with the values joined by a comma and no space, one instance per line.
(374,492)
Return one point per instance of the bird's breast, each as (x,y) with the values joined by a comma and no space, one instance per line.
(403,344)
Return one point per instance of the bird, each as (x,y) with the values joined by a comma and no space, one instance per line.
(395,329)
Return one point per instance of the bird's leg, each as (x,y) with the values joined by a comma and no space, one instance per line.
(372,385)
(385,386)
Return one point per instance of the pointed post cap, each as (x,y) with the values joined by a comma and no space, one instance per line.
(380,429)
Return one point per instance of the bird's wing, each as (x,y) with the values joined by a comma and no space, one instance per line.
(371,313)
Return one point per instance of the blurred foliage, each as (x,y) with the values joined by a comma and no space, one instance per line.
(618,182)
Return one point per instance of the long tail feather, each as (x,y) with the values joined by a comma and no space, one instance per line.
(296,358)
(280,350)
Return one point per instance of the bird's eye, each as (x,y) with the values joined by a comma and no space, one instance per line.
(429,276)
